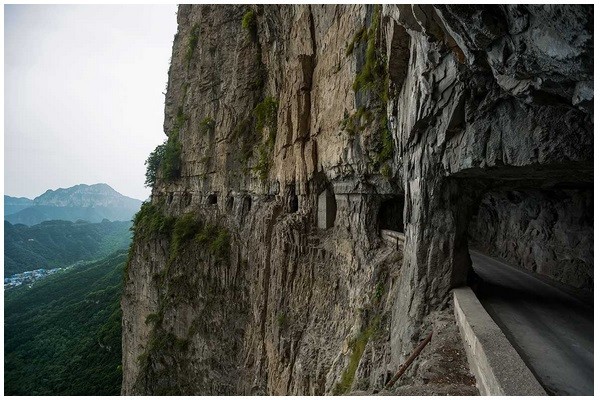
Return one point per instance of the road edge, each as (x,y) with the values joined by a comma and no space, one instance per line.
(498,368)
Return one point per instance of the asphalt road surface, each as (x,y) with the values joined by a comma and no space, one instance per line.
(551,330)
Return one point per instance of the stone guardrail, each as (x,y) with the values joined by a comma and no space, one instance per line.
(498,368)
(393,237)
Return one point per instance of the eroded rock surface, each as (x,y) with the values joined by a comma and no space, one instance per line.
(232,288)
(549,232)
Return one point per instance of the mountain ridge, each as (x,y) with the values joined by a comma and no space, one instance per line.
(84,195)
(15,204)
(92,203)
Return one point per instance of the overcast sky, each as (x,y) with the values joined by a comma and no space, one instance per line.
(83,94)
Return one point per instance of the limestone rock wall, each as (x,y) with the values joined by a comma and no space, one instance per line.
(271,106)
(549,232)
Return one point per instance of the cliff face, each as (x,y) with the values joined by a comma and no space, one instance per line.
(295,134)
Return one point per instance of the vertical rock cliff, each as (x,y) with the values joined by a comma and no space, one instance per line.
(296,133)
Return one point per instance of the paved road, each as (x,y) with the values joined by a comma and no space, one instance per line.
(551,330)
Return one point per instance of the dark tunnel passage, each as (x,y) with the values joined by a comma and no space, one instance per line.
(391,214)
(531,248)
(544,231)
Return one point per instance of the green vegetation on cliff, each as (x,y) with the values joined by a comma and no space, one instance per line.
(192,43)
(190,242)
(265,116)
(151,222)
(357,345)
(249,23)
(153,163)
(171,162)
(63,335)
(166,157)
(207,125)
(373,80)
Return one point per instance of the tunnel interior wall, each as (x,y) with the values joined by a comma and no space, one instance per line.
(549,232)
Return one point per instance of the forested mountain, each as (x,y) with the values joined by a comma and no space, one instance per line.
(59,243)
(63,335)
(91,203)
(35,214)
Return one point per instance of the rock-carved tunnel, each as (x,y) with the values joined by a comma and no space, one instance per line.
(545,231)
(391,214)
(531,247)
(540,222)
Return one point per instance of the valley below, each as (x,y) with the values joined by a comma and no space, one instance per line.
(62,313)
(62,335)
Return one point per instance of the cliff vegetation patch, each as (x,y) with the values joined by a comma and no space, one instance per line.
(373,80)
(207,125)
(265,116)
(357,345)
(192,43)
(166,157)
(150,222)
(249,23)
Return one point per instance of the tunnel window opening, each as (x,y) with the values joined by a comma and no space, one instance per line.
(246,205)
(212,199)
(391,214)
(229,203)
(326,209)
(169,198)
(291,199)
(294,204)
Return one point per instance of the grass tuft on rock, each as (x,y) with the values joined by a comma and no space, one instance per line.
(192,43)
(358,346)
(265,117)
(207,125)
(249,23)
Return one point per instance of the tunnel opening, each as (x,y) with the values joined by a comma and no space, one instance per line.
(294,204)
(326,209)
(187,199)
(391,214)
(530,244)
(212,199)
(290,199)
(545,231)
(229,204)
(246,207)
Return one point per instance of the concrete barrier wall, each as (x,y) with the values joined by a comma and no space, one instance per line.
(498,368)
(393,237)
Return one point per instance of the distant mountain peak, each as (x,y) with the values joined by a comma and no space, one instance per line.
(80,202)
(15,204)
(16,200)
(82,195)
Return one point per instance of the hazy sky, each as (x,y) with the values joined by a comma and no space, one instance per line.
(83,94)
